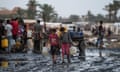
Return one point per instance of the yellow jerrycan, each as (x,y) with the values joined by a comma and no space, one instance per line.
(4,42)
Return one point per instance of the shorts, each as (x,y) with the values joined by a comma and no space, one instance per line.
(54,50)
(65,48)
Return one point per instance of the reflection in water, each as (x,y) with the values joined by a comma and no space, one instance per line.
(109,62)
(30,51)
(4,62)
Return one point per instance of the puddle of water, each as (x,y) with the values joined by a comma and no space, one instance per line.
(93,63)
(30,51)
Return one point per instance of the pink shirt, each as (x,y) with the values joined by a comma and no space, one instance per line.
(53,39)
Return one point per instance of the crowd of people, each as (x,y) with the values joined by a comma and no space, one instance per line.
(13,31)
(58,39)
(20,39)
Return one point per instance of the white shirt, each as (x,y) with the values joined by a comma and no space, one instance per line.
(8,28)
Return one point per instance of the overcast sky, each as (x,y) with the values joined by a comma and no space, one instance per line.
(64,7)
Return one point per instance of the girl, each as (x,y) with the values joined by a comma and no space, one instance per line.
(65,43)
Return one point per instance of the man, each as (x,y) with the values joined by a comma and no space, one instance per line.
(15,29)
(81,43)
(100,38)
(8,28)
(100,34)
(37,33)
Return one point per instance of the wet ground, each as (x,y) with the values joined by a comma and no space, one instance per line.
(30,62)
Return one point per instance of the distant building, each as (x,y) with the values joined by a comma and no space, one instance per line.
(15,12)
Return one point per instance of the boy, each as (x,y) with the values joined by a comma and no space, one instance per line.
(54,42)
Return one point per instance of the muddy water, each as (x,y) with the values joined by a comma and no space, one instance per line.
(109,62)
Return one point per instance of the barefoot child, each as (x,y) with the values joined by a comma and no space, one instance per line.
(54,42)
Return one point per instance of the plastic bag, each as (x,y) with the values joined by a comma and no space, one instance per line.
(73,50)
(45,51)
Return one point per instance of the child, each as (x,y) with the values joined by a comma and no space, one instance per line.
(54,42)
(65,41)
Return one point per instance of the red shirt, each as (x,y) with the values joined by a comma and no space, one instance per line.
(15,27)
(53,39)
